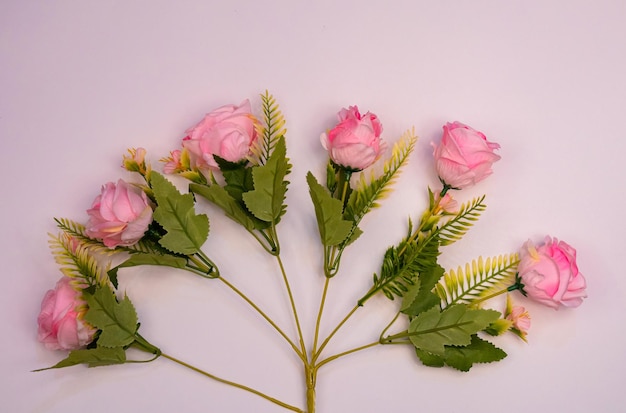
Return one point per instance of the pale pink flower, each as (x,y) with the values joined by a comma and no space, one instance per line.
(135,161)
(227,132)
(519,318)
(550,274)
(60,321)
(448,204)
(464,156)
(355,142)
(172,164)
(120,215)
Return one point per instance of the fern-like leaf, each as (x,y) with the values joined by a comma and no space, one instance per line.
(76,260)
(467,285)
(270,131)
(369,191)
(454,229)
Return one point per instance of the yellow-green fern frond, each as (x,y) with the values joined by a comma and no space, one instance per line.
(76,260)
(269,131)
(454,229)
(470,284)
(371,190)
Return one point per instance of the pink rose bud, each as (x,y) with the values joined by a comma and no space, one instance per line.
(60,321)
(519,318)
(464,156)
(173,163)
(227,132)
(355,142)
(550,275)
(120,215)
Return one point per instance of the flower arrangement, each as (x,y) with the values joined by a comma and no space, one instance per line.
(238,161)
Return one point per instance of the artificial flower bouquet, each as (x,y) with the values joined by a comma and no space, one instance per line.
(238,161)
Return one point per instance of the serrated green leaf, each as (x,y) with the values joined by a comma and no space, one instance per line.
(148,259)
(429,359)
(220,197)
(186,230)
(478,351)
(424,298)
(117,320)
(238,177)
(332,227)
(93,357)
(267,200)
(434,329)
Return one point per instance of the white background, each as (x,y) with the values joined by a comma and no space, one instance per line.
(81,81)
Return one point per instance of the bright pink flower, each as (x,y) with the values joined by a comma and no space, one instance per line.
(60,321)
(120,215)
(464,156)
(228,132)
(550,274)
(355,142)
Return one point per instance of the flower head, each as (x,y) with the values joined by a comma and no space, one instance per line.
(120,215)
(61,326)
(550,274)
(354,143)
(519,318)
(464,156)
(227,132)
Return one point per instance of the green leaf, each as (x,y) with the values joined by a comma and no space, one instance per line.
(238,177)
(454,229)
(272,130)
(76,260)
(332,227)
(186,231)
(93,357)
(267,200)
(434,329)
(478,351)
(220,197)
(148,259)
(467,285)
(117,320)
(430,359)
(415,302)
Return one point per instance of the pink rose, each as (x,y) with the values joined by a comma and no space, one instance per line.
(550,274)
(60,321)
(355,142)
(120,215)
(464,156)
(228,132)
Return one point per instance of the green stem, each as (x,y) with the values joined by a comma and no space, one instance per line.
(332,333)
(517,286)
(293,305)
(345,353)
(319,314)
(231,383)
(265,316)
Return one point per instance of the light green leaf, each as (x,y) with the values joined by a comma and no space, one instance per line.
(186,231)
(454,229)
(332,227)
(117,320)
(466,285)
(270,132)
(434,329)
(266,201)
(94,357)
(147,259)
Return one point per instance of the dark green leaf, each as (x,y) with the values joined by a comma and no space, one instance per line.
(147,259)
(429,359)
(332,227)
(266,201)
(94,357)
(423,299)
(220,197)
(478,351)
(434,329)
(117,320)
(186,231)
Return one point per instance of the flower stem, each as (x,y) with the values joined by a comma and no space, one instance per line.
(332,333)
(231,383)
(293,305)
(265,316)
(345,353)
(319,314)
